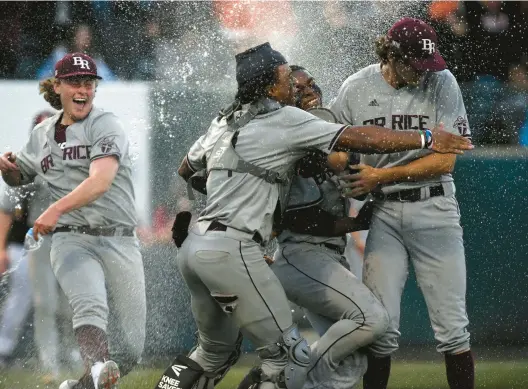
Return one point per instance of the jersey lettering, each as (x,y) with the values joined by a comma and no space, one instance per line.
(46,163)
(76,152)
(375,122)
(401,122)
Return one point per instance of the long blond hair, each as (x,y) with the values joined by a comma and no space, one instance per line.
(46,89)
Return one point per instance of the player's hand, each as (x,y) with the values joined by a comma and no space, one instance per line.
(269,260)
(364,181)
(4,261)
(46,222)
(446,143)
(7,162)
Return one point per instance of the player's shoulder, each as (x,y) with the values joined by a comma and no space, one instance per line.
(44,125)
(443,77)
(99,118)
(363,76)
(293,114)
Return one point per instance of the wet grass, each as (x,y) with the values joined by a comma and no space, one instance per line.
(405,375)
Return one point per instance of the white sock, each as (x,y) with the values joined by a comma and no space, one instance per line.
(96,371)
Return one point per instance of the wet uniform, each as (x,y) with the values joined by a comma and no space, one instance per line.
(421,225)
(95,253)
(340,307)
(221,260)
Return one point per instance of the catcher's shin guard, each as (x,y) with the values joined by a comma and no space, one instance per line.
(184,373)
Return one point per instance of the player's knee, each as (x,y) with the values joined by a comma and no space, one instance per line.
(376,318)
(386,344)
(379,320)
(88,310)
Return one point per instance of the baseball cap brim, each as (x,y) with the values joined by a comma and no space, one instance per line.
(435,63)
(77,74)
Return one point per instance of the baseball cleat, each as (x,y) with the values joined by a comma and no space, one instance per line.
(106,375)
(68,384)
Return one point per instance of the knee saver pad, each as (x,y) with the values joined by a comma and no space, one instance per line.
(297,350)
(184,373)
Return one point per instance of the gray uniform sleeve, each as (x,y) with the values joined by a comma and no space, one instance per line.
(197,155)
(309,132)
(341,106)
(26,159)
(108,137)
(450,108)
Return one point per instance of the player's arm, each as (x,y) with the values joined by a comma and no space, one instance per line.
(6,219)
(185,170)
(380,140)
(102,174)
(368,178)
(318,222)
(15,170)
(7,209)
(430,166)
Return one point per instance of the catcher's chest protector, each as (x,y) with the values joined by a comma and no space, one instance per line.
(224,156)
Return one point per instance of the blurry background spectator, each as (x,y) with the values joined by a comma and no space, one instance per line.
(82,42)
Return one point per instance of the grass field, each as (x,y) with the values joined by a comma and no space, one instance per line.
(405,375)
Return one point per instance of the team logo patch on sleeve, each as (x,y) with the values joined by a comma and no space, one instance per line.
(108,145)
(461,124)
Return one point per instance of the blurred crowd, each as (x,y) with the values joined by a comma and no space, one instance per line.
(193,43)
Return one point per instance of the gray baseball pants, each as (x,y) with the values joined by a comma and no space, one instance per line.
(314,278)
(428,234)
(18,302)
(232,289)
(50,308)
(104,282)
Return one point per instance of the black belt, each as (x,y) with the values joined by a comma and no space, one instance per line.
(217,226)
(409,195)
(98,231)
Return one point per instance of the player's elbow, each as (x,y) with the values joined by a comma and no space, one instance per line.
(185,171)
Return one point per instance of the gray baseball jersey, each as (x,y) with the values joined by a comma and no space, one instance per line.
(366,98)
(425,232)
(275,141)
(108,264)
(66,165)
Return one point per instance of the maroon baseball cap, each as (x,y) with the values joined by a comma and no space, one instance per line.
(76,64)
(418,42)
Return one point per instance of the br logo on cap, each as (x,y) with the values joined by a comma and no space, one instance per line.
(428,45)
(79,61)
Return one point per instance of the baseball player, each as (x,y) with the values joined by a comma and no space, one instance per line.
(311,266)
(416,217)
(249,155)
(31,275)
(83,154)
(13,227)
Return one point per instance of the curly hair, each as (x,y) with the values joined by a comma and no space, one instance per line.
(257,87)
(385,48)
(46,89)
